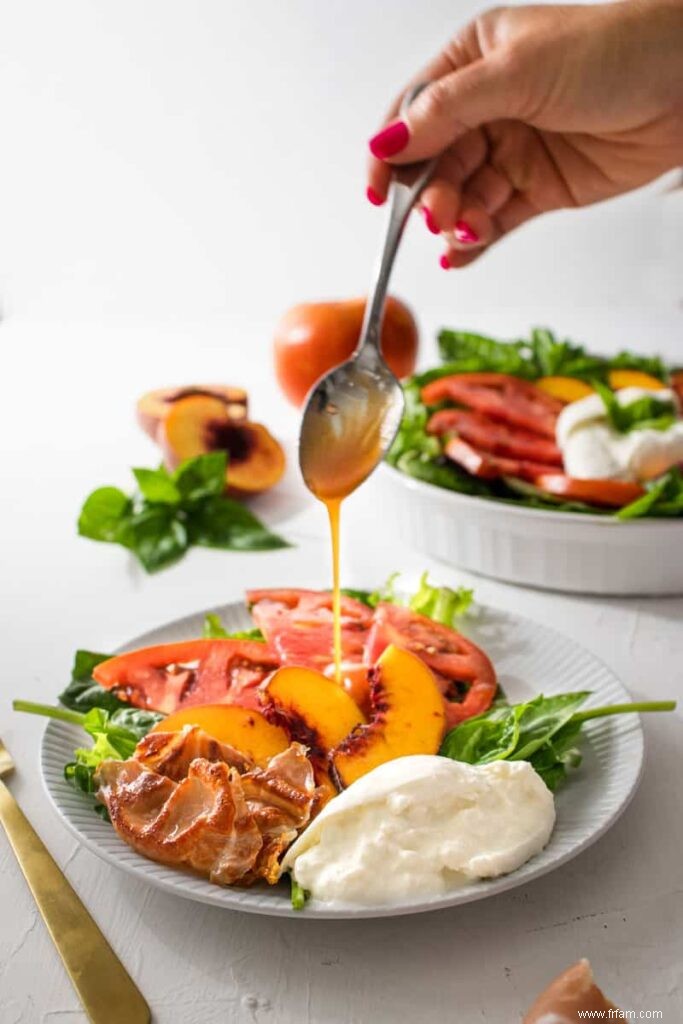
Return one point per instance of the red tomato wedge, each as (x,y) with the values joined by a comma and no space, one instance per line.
(191,672)
(298,625)
(497,438)
(610,493)
(463,672)
(499,396)
(489,467)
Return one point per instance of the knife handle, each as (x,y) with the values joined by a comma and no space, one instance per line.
(108,994)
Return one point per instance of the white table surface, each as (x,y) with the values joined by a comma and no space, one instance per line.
(620,903)
(172,177)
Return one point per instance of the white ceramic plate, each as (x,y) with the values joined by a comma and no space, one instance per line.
(529,658)
(555,550)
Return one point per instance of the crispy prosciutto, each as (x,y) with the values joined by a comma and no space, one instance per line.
(172,753)
(232,828)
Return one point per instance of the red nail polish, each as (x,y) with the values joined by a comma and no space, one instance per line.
(374,197)
(464,233)
(429,221)
(444,262)
(390,141)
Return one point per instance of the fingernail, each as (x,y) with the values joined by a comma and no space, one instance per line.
(444,262)
(374,197)
(429,221)
(390,141)
(464,233)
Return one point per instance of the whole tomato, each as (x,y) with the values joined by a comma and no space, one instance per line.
(314,337)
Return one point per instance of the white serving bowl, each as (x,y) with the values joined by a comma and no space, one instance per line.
(553,550)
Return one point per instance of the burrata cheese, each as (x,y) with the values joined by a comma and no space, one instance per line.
(420,826)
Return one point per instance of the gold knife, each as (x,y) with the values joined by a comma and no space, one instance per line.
(108,994)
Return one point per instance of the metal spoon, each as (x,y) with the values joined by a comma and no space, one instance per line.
(353,413)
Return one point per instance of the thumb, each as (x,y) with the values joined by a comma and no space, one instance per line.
(446,109)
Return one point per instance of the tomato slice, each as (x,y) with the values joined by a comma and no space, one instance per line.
(463,672)
(610,493)
(499,396)
(490,467)
(298,625)
(191,672)
(497,438)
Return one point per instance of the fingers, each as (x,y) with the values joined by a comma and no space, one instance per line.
(441,199)
(488,227)
(446,110)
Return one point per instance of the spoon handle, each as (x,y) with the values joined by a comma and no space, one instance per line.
(407,184)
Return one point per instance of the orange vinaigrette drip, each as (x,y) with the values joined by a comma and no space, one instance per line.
(339,456)
(333,506)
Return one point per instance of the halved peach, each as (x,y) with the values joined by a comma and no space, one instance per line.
(201,423)
(312,708)
(242,728)
(408,717)
(154,405)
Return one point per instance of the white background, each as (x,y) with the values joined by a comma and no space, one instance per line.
(172,177)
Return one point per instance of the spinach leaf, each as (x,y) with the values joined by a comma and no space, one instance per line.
(543,731)
(172,511)
(215,630)
(83,693)
(115,736)
(224,523)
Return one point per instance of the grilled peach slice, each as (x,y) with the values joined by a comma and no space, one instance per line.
(408,717)
(154,405)
(201,423)
(242,728)
(313,709)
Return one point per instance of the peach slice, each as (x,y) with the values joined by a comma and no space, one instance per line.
(154,405)
(242,728)
(408,717)
(201,423)
(313,709)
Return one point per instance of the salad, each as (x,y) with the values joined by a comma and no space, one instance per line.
(546,424)
(239,755)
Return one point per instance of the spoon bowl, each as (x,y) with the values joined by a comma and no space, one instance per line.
(353,413)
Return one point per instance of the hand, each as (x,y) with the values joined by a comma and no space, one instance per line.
(538,108)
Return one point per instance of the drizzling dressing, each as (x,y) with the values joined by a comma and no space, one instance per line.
(341,453)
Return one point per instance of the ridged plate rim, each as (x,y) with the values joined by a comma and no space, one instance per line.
(523,652)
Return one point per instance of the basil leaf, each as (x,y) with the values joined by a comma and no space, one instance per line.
(664,497)
(364,596)
(464,352)
(201,477)
(103,513)
(647,364)
(156,536)
(157,486)
(224,523)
